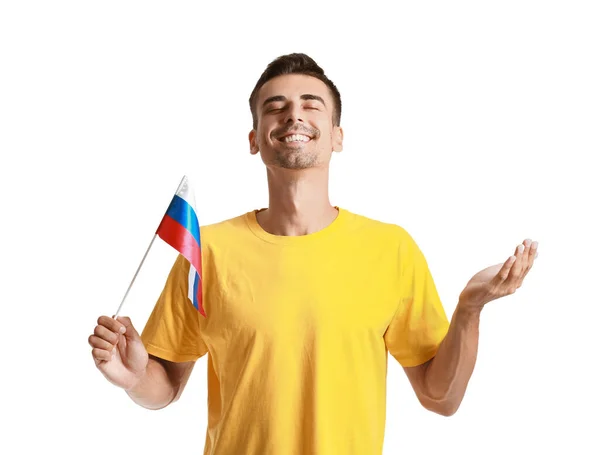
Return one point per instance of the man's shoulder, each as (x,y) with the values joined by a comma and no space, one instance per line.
(385,234)
(372,226)
(228,225)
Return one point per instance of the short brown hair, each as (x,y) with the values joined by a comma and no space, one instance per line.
(296,64)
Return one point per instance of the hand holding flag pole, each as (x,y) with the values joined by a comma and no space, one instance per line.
(179,228)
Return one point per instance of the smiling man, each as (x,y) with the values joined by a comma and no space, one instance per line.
(304,300)
(303,145)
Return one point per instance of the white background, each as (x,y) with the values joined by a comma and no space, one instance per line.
(472,124)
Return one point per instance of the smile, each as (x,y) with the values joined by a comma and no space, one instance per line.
(296,138)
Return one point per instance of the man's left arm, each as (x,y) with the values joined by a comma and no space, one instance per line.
(441,382)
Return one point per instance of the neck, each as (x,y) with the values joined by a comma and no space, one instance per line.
(298,202)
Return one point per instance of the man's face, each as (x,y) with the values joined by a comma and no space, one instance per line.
(295,127)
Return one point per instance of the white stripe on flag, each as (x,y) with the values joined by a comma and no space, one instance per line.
(191,279)
(186,193)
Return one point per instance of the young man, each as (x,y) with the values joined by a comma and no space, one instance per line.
(303,301)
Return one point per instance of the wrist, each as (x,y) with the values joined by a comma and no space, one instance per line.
(468,309)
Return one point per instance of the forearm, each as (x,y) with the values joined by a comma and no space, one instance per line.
(448,374)
(155,389)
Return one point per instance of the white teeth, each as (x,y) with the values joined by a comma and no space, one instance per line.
(296,138)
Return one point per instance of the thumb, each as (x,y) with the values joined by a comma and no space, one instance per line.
(130,331)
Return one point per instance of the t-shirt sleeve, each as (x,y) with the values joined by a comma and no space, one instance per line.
(420,323)
(173,329)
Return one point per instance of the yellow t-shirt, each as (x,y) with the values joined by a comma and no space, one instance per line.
(297,332)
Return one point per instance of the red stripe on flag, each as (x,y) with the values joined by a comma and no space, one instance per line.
(182,240)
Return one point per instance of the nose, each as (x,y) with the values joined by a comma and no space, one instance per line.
(293,114)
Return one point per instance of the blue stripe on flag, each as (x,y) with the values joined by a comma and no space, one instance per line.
(196,282)
(184,214)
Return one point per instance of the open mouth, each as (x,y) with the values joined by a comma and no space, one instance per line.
(295,138)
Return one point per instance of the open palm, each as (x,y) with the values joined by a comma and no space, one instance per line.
(501,279)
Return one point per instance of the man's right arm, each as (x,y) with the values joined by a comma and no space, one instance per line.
(161,384)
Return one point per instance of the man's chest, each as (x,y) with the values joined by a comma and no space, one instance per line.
(340,292)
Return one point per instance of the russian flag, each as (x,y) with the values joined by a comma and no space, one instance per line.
(180,229)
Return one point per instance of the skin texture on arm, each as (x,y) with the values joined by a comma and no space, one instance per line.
(162,383)
(440,384)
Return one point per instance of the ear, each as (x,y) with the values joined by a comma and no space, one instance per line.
(253,145)
(338,139)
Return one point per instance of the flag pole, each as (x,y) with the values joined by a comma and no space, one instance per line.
(143,259)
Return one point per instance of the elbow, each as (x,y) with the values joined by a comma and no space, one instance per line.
(447,410)
(445,407)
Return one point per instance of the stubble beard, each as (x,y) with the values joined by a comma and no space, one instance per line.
(296,159)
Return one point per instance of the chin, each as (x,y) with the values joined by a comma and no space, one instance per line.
(303,161)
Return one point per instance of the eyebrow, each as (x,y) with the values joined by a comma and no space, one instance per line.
(307,96)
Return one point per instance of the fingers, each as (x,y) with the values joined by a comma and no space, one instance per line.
(105,337)
(529,256)
(130,331)
(525,255)
(100,355)
(111,324)
(97,342)
(515,270)
(532,255)
(505,269)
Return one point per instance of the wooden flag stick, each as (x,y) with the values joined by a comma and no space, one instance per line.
(143,259)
